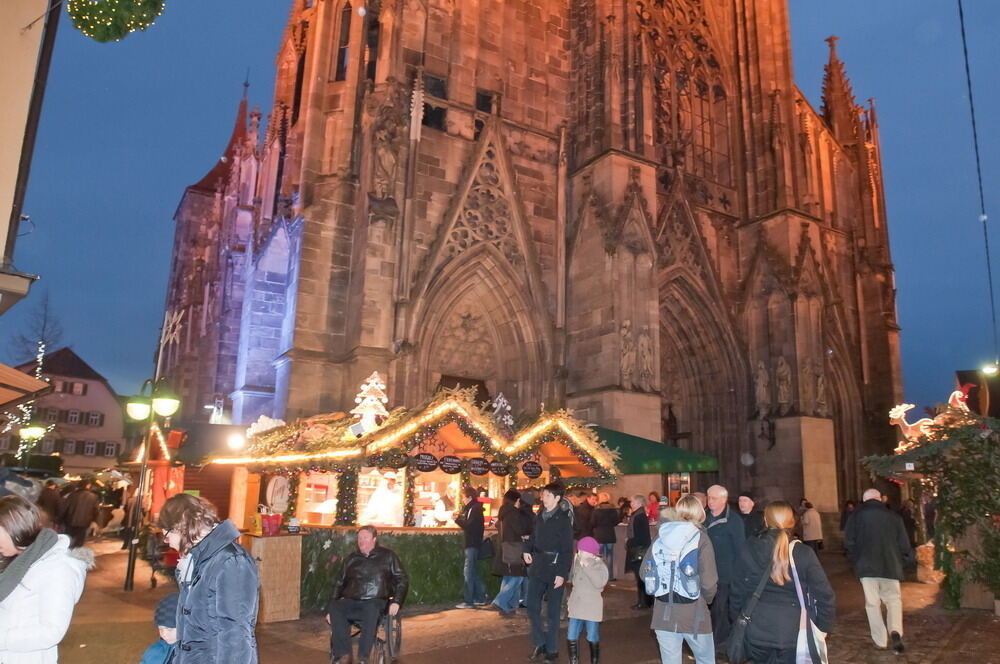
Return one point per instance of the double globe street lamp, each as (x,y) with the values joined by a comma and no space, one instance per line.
(163,402)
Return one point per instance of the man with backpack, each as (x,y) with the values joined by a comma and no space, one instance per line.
(679,571)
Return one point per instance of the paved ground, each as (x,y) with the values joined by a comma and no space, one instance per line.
(113,627)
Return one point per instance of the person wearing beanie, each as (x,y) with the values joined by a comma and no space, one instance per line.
(165,619)
(586,604)
(753,518)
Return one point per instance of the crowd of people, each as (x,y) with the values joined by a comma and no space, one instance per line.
(724,577)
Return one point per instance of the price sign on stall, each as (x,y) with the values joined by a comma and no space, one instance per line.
(425,462)
(532,469)
(450,464)
(498,468)
(479,466)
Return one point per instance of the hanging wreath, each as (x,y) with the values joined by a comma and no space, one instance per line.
(112,20)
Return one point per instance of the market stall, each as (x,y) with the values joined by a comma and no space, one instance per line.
(409,469)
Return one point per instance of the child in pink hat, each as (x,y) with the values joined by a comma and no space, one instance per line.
(586,604)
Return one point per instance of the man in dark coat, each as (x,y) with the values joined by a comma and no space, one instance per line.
(79,511)
(549,555)
(725,529)
(51,502)
(470,520)
(604,519)
(753,518)
(583,514)
(371,577)
(636,545)
(878,547)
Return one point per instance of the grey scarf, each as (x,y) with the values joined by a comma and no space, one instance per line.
(16,569)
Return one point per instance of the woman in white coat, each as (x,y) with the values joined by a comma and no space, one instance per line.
(39,586)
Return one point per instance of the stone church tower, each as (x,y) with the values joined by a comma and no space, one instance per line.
(626,208)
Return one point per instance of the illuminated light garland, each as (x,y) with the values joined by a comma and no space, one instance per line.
(285,458)
(23,417)
(112,20)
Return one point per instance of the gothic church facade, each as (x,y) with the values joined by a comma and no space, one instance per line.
(624,208)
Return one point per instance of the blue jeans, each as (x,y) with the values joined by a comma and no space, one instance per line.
(473,592)
(672,645)
(608,553)
(576,625)
(510,593)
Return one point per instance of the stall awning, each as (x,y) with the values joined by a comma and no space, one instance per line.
(641,456)
(17,387)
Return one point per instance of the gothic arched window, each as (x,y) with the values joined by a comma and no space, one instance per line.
(343,42)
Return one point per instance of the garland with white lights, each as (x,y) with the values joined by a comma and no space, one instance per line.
(112,20)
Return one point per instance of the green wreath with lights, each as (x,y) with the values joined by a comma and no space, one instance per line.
(112,20)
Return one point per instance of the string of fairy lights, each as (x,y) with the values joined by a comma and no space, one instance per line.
(113,20)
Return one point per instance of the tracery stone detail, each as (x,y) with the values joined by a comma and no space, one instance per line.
(464,344)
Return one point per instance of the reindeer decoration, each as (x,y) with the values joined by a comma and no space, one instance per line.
(922,427)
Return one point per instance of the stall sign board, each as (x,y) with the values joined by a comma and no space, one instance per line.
(498,468)
(450,464)
(425,462)
(532,469)
(479,466)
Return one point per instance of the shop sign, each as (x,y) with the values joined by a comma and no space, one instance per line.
(532,469)
(479,466)
(425,462)
(450,464)
(498,468)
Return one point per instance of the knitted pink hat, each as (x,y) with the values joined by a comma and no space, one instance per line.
(590,545)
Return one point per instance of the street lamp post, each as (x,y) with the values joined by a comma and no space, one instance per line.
(163,402)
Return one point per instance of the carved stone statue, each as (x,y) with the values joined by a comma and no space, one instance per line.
(762,390)
(822,407)
(386,164)
(645,351)
(783,378)
(628,355)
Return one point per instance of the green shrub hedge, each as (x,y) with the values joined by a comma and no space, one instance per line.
(433,561)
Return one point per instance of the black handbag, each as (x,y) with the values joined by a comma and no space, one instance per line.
(486,549)
(737,649)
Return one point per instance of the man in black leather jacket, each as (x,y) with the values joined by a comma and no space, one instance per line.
(370,578)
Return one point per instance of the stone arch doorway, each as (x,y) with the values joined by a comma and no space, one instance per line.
(477,322)
(704,376)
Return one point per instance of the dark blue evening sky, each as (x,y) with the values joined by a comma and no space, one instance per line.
(127,126)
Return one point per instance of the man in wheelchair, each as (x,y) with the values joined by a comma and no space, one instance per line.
(370,579)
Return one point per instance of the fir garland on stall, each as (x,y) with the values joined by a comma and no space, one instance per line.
(294,480)
(961,460)
(112,20)
(347,498)
(408,493)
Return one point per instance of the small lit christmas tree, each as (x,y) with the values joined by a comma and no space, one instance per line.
(501,413)
(371,400)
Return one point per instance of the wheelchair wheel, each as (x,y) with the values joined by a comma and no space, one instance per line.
(393,636)
(380,653)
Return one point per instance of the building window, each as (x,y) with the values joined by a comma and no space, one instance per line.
(435,86)
(95,419)
(89,448)
(434,117)
(73,417)
(79,389)
(110,449)
(51,414)
(69,447)
(48,445)
(372,39)
(60,386)
(340,72)
(484,101)
(4,443)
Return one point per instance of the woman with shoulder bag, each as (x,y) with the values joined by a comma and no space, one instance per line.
(782,596)
(508,562)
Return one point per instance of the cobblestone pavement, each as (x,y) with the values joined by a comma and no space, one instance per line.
(114,627)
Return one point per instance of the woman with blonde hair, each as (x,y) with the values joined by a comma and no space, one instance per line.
(217,608)
(679,571)
(773,572)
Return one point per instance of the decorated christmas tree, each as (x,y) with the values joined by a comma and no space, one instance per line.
(371,400)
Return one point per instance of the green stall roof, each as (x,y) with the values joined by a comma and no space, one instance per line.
(641,456)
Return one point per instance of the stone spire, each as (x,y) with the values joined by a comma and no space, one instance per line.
(839,108)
